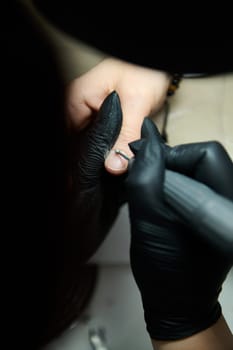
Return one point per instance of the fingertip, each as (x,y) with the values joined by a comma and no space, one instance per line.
(115,163)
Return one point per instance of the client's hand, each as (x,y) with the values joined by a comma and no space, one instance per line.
(142,92)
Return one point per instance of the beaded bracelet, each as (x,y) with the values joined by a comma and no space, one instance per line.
(176,78)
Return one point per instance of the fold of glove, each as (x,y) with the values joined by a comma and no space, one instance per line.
(207,162)
(178,274)
(95,195)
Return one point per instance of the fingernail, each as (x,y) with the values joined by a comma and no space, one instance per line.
(115,161)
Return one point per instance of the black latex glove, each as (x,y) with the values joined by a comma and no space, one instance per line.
(95,195)
(178,274)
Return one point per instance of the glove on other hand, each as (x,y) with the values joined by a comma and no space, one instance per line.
(178,274)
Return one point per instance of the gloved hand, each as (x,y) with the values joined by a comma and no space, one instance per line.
(178,274)
(95,195)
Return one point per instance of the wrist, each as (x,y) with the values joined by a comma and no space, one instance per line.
(176,321)
(216,337)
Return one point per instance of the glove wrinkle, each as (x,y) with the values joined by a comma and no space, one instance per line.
(94,200)
(179,275)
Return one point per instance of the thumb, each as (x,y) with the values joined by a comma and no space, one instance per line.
(133,116)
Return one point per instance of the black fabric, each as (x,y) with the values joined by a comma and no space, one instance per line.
(148,35)
(45,289)
(34,148)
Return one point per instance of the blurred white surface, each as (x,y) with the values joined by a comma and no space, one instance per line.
(116,307)
(115,248)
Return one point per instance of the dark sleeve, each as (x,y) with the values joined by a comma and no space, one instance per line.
(141,39)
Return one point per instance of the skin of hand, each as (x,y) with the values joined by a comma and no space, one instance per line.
(178,274)
(216,337)
(142,92)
